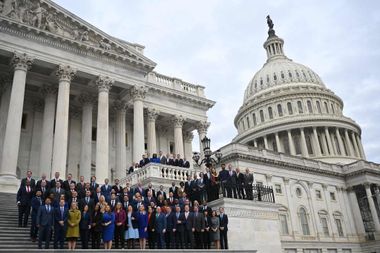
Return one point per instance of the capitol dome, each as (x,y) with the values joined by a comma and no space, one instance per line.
(287,108)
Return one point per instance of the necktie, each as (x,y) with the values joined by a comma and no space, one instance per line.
(61,213)
(43,189)
(87,200)
(177,215)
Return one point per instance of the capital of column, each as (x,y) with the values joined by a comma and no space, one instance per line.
(203,126)
(38,105)
(104,83)
(350,189)
(152,114)
(269,177)
(178,120)
(120,105)
(48,90)
(65,72)
(86,99)
(74,112)
(21,61)
(324,186)
(367,185)
(286,180)
(188,137)
(310,184)
(138,92)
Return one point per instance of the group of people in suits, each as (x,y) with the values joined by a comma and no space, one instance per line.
(169,159)
(68,210)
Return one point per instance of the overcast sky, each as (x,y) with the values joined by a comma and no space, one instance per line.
(218,44)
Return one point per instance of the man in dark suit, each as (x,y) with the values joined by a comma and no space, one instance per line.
(205,207)
(223,226)
(60,224)
(161,192)
(55,180)
(231,182)
(174,190)
(160,228)
(42,186)
(186,163)
(187,219)
(57,190)
(170,160)
(207,182)
(45,221)
(97,195)
(163,158)
(240,184)
(29,178)
(87,200)
(178,228)
(106,190)
(248,181)
(37,201)
(80,187)
(223,178)
(113,201)
(24,202)
(117,188)
(93,185)
(139,189)
(144,161)
(126,202)
(170,228)
(150,188)
(188,185)
(149,199)
(178,161)
(199,228)
(171,200)
(43,179)
(201,185)
(72,198)
(68,181)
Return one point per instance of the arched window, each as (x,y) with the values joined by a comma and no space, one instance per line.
(270,112)
(261,116)
(300,109)
(309,106)
(326,107)
(279,109)
(304,222)
(297,144)
(332,108)
(274,77)
(308,144)
(319,107)
(243,125)
(254,119)
(248,125)
(290,108)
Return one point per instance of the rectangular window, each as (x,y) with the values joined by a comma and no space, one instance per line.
(290,109)
(339,227)
(171,147)
(261,116)
(332,196)
(126,139)
(332,250)
(24,120)
(93,134)
(325,227)
(300,108)
(278,188)
(318,194)
(284,224)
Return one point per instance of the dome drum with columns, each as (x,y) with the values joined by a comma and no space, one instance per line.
(287,108)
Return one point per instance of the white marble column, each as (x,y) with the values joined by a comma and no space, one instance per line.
(359,141)
(138,95)
(356,147)
(331,219)
(255,143)
(305,152)
(354,205)
(152,115)
(293,230)
(188,138)
(65,74)
(21,63)
(87,101)
(347,212)
(329,143)
(75,141)
(278,143)
(5,91)
(178,121)
(120,107)
(317,145)
(291,143)
(349,144)
(265,142)
(340,142)
(372,207)
(313,210)
(35,146)
(104,84)
(324,144)
(46,153)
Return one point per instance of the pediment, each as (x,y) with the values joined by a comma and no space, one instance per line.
(49,19)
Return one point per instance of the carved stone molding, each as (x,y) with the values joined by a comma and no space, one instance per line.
(74,112)
(178,120)
(65,73)
(251,214)
(86,99)
(21,61)
(138,92)
(120,105)
(152,114)
(47,90)
(203,127)
(286,180)
(188,137)
(104,83)
(38,105)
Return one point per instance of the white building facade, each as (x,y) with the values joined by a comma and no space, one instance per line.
(77,100)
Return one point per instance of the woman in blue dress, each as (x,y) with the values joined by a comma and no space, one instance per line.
(131,231)
(143,226)
(108,223)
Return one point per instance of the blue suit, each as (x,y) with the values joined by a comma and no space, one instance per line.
(45,220)
(59,230)
(105,190)
(36,203)
(159,227)
(223,178)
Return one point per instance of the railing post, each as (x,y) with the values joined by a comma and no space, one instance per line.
(259,192)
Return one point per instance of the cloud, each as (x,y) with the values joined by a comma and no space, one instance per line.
(218,44)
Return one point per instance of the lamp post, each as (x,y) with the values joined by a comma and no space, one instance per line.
(210,157)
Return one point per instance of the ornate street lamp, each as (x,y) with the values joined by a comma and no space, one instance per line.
(210,157)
